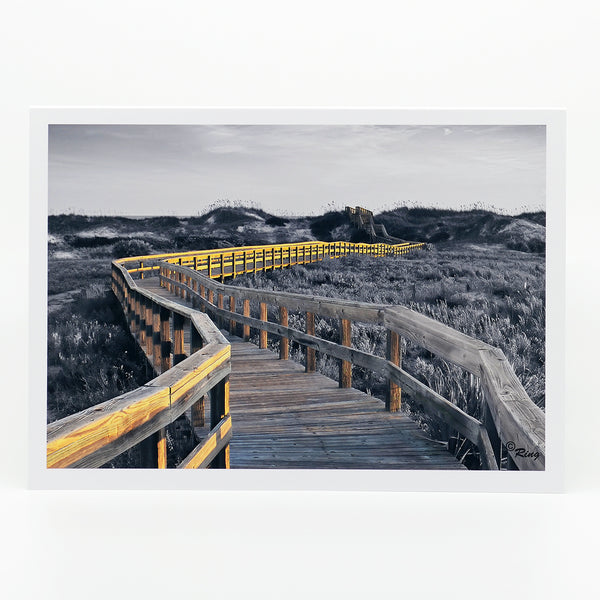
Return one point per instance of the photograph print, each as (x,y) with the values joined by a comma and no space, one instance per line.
(296,296)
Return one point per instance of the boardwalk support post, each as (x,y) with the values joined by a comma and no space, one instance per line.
(156,350)
(178,338)
(310,352)
(165,339)
(393,395)
(198,407)
(263,334)
(232,323)
(345,366)
(219,407)
(246,328)
(284,346)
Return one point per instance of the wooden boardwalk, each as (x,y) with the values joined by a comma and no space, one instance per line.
(285,418)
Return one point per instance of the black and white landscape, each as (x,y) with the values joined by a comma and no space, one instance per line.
(475,194)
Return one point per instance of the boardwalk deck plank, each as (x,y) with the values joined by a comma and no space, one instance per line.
(285,418)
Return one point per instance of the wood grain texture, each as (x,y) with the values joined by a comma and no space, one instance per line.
(285,418)
(431,402)
(345,377)
(393,393)
(309,350)
(519,422)
(514,417)
(96,435)
(208,449)
(284,345)
(263,332)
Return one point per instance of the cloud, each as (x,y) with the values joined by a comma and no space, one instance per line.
(295,169)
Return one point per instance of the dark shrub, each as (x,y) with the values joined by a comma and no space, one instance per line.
(76,241)
(134,247)
(276,221)
(321,227)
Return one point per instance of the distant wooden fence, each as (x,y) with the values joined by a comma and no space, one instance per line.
(512,425)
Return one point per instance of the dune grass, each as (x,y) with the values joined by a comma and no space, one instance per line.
(487,291)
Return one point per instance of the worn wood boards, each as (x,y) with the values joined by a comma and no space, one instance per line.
(444,341)
(520,425)
(208,449)
(94,436)
(286,418)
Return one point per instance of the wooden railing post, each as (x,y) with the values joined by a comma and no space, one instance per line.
(194,297)
(284,346)
(134,321)
(246,328)
(142,320)
(161,447)
(232,323)
(393,395)
(220,305)
(345,366)
(178,338)
(149,327)
(197,407)
(202,295)
(219,407)
(165,339)
(156,350)
(263,334)
(311,361)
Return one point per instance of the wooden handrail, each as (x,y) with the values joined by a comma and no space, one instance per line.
(232,262)
(94,436)
(514,419)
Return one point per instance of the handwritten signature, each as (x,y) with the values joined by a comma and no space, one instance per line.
(522,452)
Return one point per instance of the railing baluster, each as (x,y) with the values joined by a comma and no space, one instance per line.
(219,407)
(220,305)
(178,338)
(284,346)
(310,352)
(202,295)
(149,327)
(142,314)
(156,350)
(393,392)
(232,323)
(161,447)
(345,366)
(246,313)
(263,334)
(165,339)
(198,407)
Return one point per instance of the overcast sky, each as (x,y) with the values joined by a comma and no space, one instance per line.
(293,169)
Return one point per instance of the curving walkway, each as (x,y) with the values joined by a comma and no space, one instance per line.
(283,417)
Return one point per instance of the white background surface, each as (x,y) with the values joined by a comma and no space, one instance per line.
(297,545)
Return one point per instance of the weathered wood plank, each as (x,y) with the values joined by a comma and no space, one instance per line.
(207,450)
(519,422)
